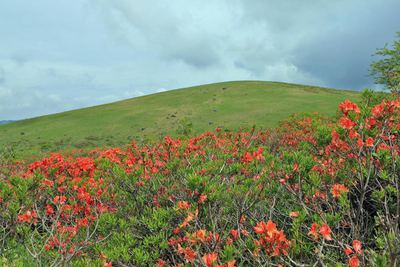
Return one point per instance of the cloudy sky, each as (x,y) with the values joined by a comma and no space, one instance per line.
(61,55)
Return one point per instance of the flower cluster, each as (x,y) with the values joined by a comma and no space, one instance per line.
(68,202)
(216,199)
(272,241)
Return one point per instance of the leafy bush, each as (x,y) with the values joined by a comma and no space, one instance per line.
(312,192)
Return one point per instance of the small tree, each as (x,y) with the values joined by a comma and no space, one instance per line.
(386,71)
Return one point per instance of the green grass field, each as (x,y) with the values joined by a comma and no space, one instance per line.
(231,105)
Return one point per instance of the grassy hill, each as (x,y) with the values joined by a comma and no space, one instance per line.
(229,104)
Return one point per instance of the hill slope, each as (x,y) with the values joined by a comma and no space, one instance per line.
(229,104)
(5,122)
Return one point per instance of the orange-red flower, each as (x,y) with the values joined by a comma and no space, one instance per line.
(377,110)
(161,263)
(325,231)
(338,189)
(183,205)
(260,227)
(48,182)
(348,250)
(49,210)
(210,258)
(202,199)
(234,233)
(247,157)
(370,123)
(346,123)
(199,235)
(347,106)
(369,142)
(28,217)
(188,219)
(294,214)
(176,230)
(59,199)
(273,241)
(313,231)
(353,134)
(228,264)
(357,246)
(360,143)
(265,228)
(354,261)
(295,167)
(189,254)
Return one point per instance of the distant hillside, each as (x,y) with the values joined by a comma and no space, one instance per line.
(230,104)
(5,122)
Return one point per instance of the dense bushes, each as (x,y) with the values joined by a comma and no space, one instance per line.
(310,193)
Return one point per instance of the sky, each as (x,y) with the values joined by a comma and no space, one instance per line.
(62,55)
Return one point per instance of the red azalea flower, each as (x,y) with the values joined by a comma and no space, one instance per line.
(348,250)
(160,263)
(369,142)
(377,110)
(357,246)
(346,123)
(313,231)
(49,210)
(338,189)
(354,261)
(210,258)
(183,205)
(234,233)
(202,199)
(27,217)
(360,143)
(347,106)
(325,231)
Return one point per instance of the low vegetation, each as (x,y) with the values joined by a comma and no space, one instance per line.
(231,105)
(315,191)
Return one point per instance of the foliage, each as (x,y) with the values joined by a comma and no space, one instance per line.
(185,127)
(153,116)
(313,192)
(386,71)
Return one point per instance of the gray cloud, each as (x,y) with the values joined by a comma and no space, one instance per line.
(56,56)
(341,54)
(163,29)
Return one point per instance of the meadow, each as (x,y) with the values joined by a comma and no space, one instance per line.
(231,105)
(316,190)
